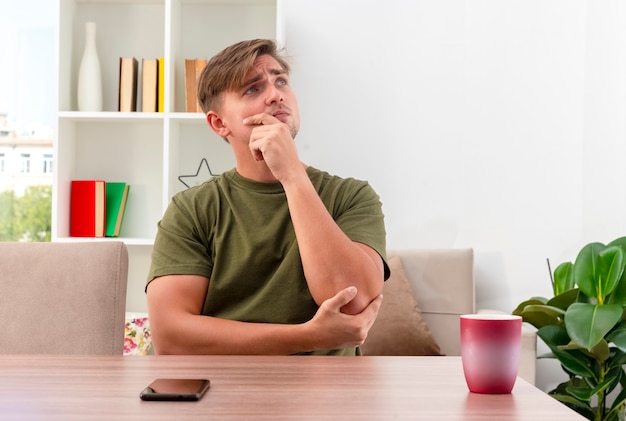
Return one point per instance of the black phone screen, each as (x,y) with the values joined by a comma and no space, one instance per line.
(175,390)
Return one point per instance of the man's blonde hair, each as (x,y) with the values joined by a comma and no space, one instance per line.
(227,69)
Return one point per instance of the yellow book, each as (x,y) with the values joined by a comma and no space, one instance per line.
(161,84)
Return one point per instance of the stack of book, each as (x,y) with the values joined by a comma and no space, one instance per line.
(97,208)
(152,84)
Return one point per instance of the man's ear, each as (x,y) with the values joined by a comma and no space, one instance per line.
(217,124)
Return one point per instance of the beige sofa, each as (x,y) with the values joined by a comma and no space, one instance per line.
(441,282)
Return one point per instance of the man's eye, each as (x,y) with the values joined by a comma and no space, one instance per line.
(251,90)
(281,82)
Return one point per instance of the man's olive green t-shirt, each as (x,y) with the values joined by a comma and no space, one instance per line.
(239,234)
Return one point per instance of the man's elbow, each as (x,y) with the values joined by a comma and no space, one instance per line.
(365,295)
(163,346)
(168,341)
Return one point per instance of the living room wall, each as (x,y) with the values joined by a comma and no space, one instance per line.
(487,124)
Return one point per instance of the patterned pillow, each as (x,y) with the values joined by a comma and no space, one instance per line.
(137,339)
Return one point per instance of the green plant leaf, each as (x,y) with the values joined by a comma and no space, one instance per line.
(618,336)
(571,399)
(564,300)
(540,315)
(600,352)
(598,270)
(618,359)
(611,265)
(573,361)
(585,268)
(614,375)
(619,294)
(532,301)
(619,403)
(583,392)
(561,394)
(587,324)
(563,278)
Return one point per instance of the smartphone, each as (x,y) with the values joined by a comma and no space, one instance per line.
(175,390)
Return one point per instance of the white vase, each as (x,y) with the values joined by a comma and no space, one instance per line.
(89,76)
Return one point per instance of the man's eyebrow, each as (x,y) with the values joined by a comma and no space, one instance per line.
(259,76)
(251,81)
(278,71)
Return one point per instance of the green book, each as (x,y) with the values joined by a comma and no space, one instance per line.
(116,196)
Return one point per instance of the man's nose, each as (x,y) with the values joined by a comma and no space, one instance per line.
(273,95)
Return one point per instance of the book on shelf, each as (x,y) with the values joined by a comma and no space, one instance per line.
(116,197)
(128,84)
(193,68)
(161,90)
(87,208)
(200,65)
(149,85)
(190,85)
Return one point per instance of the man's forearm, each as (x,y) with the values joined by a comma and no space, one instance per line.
(175,305)
(194,334)
(330,259)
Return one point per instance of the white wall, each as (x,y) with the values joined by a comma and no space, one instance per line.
(497,125)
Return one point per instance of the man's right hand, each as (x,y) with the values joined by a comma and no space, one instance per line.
(332,329)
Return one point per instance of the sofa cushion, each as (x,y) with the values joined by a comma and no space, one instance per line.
(399,328)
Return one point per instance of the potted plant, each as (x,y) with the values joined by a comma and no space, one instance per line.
(584,325)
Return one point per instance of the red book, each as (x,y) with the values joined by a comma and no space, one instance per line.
(88,208)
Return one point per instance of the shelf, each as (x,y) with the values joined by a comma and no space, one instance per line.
(188,117)
(127,240)
(121,117)
(110,116)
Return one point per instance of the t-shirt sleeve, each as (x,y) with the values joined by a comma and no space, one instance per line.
(360,216)
(179,247)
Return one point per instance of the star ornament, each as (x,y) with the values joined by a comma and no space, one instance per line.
(203,174)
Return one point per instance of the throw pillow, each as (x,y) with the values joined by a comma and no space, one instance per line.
(399,328)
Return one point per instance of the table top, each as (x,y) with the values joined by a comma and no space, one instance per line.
(54,387)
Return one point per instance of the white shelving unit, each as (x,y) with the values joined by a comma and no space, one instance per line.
(147,150)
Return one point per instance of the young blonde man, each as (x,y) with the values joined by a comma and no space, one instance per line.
(273,256)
